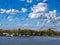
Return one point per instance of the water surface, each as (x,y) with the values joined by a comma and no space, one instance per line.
(29,41)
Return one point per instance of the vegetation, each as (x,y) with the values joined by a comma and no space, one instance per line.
(20,32)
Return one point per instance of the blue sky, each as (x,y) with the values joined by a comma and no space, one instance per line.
(30,14)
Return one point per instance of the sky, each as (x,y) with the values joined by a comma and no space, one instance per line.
(30,14)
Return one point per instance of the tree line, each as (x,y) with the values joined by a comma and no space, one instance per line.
(26,32)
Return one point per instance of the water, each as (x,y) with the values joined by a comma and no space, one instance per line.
(29,41)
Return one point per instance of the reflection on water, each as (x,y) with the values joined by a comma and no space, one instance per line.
(29,41)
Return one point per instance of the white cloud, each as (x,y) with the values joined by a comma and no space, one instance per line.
(52,14)
(2,10)
(26,25)
(35,15)
(21,0)
(10,11)
(58,24)
(9,18)
(40,7)
(44,0)
(57,19)
(38,23)
(32,15)
(23,9)
(38,10)
(29,1)
(48,21)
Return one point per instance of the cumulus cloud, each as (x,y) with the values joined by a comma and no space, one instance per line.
(40,7)
(38,23)
(2,10)
(26,25)
(33,15)
(52,14)
(44,0)
(21,0)
(10,11)
(57,19)
(48,21)
(29,1)
(9,18)
(38,10)
(23,9)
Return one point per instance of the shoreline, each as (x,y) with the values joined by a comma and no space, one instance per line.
(34,36)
